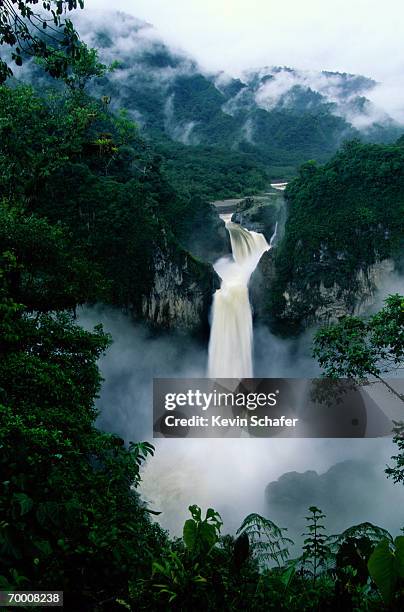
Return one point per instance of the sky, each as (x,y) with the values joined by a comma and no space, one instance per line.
(358,36)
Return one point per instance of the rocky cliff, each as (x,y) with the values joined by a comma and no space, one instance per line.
(181,291)
(328,304)
(317,303)
(260,213)
(343,237)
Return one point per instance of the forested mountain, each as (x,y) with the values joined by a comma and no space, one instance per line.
(343,234)
(220,135)
(279,116)
(68,159)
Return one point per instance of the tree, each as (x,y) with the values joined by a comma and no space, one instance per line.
(268,541)
(70,514)
(38,135)
(361,349)
(34,33)
(50,272)
(316,551)
(79,69)
(364,349)
(329,240)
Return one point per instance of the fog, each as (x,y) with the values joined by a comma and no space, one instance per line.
(349,493)
(231,475)
(364,37)
(346,477)
(335,90)
(141,30)
(361,37)
(363,102)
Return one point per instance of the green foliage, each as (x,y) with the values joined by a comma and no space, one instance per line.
(49,271)
(386,567)
(212,173)
(41,34)
(80,69)
(71,160)
(198,113)
(364,349)
(176,579)
(84,203)
(200,571)
(37,137)
(200,535)
(332,572)
(267,540)
(342,218)
(316,551)
(371,532)
(68,495)
(397,471)
(356,348)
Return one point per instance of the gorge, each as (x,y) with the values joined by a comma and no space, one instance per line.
(123,260)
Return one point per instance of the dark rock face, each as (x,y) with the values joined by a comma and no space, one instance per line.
(207,239)
(181,292)
(260,213)
(288,498)
(260,285)
(321,303)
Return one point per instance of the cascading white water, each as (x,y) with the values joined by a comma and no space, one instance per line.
(231,336)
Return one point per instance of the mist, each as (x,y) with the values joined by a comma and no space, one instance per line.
(350,492)
(230,475)
(362,99)
(237,37)
(363,94)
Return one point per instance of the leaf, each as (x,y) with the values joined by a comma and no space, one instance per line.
(208,534)
(5,584)
(368,530)
(287,575)
(24,501)
(123,603)
(195,512)
(399,543)
(382,569)
(212,514)
(190,533)
(44,546)
(48,512)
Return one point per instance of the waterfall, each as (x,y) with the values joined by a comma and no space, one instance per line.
(231,336)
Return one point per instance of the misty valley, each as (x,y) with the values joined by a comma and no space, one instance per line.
(160,221)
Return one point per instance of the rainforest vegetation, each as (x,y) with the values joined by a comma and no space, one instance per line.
(343,217)
(83,198)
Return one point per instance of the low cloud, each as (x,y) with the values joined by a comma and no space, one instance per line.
(359,100)
(145,57)
(229,475)
(349,492)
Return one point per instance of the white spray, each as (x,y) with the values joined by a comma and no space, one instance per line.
(231,336)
